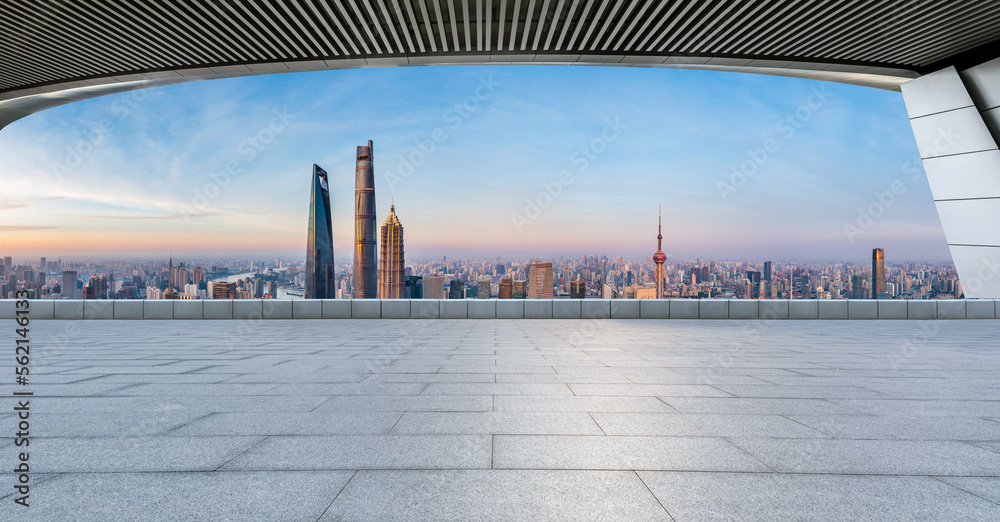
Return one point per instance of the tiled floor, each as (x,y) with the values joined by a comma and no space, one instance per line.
(510,420)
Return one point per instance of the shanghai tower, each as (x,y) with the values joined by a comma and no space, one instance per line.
(365,262)
(320,282)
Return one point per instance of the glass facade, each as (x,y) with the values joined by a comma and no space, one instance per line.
(320,283)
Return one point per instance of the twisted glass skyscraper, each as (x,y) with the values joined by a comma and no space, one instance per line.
(320,283)
(365,262)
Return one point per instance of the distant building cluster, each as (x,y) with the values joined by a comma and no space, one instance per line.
(379,270)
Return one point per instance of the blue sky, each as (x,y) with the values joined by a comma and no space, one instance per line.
(625,139)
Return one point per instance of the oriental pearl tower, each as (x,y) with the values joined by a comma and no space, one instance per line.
(659,257)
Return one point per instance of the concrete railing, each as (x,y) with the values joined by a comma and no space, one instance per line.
(242,309)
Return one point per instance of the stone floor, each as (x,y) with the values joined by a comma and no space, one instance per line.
(509,420)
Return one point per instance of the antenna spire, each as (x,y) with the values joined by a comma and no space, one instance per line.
(659,230)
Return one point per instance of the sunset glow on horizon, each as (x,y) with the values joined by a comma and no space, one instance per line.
(745,166)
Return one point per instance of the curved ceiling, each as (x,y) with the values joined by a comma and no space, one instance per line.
(57,51)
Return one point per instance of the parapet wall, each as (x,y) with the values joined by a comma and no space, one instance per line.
(246,309)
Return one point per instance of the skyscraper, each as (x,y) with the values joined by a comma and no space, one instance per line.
(320,283)
(69,285)
(659,257)
(413,287)
(506,289)
(391,266)
(456,290)
(540,281)
(223,290)
(878,273)
(578,289)
(484,288)
(768,270)
(433,287)
(857,286)
(365,263)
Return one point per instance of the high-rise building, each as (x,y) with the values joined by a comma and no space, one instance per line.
(391,266)
(540,281)
(484,288)
(768,270)
(878,273)
(659,257)
(456,290)
(520,289)
(320,282)
(754,289)
(413,287)
(857,286)
(69,285)
(365,263)
(97,288)
(578,289)
(506,290)
(222,290)
(434,287)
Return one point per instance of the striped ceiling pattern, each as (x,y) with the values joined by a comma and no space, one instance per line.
(48,42)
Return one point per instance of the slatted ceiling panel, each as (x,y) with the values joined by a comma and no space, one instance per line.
(629,30)
(174,29)
(42,43)
(682,27)
(137,44)
(929,53)
(928,50)
(655,21)
(713,26)
(256,31)
(32,61)
(295,38)
(839,32)
(803,24)
(553,20)
(404,28)
(197,30)
(880,25)
(35,49)
(423,27)
(330,23)
(378,21)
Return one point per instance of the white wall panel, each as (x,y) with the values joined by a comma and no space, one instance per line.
(983,83)
(935,92)
(971,221)
(978,270)
(975,175)
(953,132)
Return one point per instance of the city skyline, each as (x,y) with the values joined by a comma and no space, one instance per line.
(800,202)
